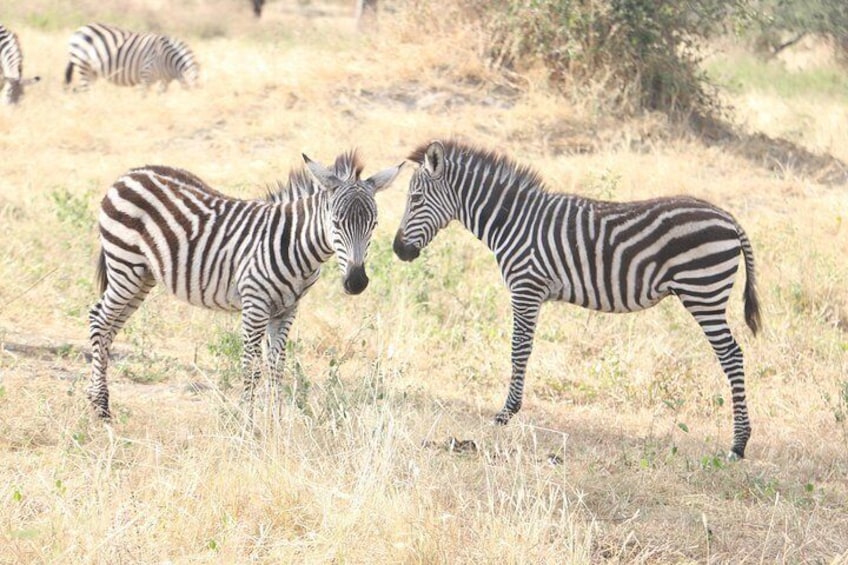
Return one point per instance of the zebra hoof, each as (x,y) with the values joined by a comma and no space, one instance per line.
(733,456)
(502,418)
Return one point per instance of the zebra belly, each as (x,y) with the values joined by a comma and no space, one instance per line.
(590,300)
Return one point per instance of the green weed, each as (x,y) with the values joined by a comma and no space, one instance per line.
(227,348)
(72,210)
(298,386)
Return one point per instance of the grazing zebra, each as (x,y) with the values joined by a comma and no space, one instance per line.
(607,256)
(11,68)
(159,224)
(127,58)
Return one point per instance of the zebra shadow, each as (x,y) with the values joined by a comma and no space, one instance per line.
(772,153)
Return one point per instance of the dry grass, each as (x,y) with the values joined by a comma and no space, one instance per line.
(617,452)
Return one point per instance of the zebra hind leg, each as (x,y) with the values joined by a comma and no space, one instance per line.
(713,321)
(106,318)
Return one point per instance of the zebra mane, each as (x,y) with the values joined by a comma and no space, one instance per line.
(301,184)
(348,166)
(522,178)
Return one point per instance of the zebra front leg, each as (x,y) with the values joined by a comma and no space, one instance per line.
(254,322)
(278,331)
(525,314)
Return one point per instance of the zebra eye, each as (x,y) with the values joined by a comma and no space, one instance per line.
(416,197)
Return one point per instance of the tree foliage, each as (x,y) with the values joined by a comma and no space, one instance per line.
(780,23)
(642,54)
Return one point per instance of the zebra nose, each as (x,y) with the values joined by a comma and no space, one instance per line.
(404,251)
(356,280)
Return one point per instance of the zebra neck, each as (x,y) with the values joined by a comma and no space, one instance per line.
(491,211)
(302,227)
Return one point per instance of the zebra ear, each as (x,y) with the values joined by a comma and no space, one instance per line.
(322,175)
(383,179)
(434,159)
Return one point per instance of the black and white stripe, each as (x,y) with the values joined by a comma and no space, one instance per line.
(165,225)
(11,68)
(127,58)
(607,256)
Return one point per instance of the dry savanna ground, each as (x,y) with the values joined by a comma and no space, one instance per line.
(618,452)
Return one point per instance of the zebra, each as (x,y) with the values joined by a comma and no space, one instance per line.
(257,7)
(164,225)
(11,68)
(607,256)
(127,58)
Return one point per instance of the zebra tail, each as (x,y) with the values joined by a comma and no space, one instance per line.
(69,73)
(752,303)
(100,273)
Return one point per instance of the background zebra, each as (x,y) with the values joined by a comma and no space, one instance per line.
(159,224)
(127,58)
(11,68)
(608,256)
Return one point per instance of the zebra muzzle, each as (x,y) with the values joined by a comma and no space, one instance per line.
(355,280)
(404,251)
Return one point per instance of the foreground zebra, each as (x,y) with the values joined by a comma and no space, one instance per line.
(159,224)
(127,58)
(608,256)
(11,68)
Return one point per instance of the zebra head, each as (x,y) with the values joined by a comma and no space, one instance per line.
(431,203)
(352,213)
(13,88)
(179,61)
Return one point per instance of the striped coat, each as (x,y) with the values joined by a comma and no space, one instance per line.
(127,58)
(606,256)
(160,225)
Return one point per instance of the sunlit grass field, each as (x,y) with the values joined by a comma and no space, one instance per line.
(385,452)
